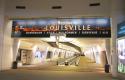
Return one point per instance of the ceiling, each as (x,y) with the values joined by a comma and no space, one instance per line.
(82,43)
(70,8)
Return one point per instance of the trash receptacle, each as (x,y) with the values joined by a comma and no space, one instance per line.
(14,65)
(107,67)
(57,63)
(66,63)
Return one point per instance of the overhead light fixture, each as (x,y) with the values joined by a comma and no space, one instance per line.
(94,4)
(56,7)
(20,7)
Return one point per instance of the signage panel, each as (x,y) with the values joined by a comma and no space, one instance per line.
(121,30)
(72,27)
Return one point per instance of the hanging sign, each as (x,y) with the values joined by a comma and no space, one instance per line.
(72,27)
(121,30)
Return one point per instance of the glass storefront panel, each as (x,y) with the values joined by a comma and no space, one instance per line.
(121,55)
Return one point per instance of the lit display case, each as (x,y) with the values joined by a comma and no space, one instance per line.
(121,55)
(121,47)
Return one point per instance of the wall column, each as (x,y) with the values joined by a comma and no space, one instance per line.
(113,49)
(117,15)
(16,44)
(1,31)
(108,53)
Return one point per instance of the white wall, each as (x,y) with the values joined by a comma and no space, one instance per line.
(42,8)
(6,42)
(97,53)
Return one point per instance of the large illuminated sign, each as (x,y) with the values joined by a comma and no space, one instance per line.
(72,27)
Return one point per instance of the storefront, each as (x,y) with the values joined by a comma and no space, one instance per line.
(121,47)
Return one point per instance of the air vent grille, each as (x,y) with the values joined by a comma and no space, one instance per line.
(94,4)
(20,7)
(56,7)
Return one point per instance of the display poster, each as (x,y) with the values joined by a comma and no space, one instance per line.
(121,30)
(121,55)
(72,27)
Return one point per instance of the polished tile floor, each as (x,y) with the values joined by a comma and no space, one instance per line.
(87,70)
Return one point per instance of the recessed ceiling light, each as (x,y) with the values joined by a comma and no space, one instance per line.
(20,7)
(56,7)
(94,4)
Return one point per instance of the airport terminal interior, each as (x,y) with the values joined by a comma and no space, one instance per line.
(62,40)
